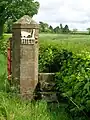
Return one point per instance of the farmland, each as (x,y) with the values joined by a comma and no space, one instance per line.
(49,43)
(75,43)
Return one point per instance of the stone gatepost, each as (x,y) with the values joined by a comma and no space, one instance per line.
(25,55)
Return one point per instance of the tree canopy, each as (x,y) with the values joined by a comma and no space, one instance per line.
(14,9)
(88,30)
(44,27)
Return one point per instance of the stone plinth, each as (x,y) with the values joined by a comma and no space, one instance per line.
(25,55)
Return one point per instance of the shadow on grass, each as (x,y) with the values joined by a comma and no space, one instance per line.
(57,111)
(50,111)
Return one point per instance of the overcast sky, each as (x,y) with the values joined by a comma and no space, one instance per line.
(75,13)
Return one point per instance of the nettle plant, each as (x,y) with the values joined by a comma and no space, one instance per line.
(72,76)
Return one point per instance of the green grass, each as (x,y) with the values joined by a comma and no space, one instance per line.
(2,64)
(74,43)
(13,108)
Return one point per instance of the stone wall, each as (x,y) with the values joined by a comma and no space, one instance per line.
(46,87)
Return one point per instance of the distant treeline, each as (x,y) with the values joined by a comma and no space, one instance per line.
(79,33)
(45,28)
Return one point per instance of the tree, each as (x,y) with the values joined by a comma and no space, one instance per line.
(57,29)
(88,30)
(61,28)
(51,29)
(66,29)
(44,27)
(9,24)
(41,26)
(14,9)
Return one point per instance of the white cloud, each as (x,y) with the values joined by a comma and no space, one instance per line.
(75,13)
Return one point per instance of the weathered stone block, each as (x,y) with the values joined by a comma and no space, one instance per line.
(25,55)
(46,87)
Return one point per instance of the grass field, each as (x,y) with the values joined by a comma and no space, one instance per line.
(13,108)
(74,43)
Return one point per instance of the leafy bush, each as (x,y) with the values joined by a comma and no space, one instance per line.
(8,26)
(4,44)
(51,58)
(72,77)
(73,81)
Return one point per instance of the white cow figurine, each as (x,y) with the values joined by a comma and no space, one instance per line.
(30,35)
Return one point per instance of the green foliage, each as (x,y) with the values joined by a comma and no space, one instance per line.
(51,29)
(67,56)
(45,28)
(13,108)
(66,29)
(88,30)
(72,77)
(8,25)
(14,9)
(4,44)
(57,29)
(73,81)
